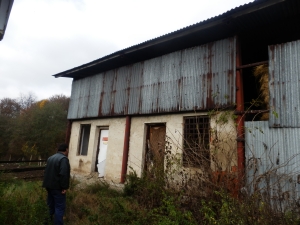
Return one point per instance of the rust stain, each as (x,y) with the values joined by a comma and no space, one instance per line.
(179,102)
(157,99)
(209,100)
(88,98)
(113,93)
(128,89)
(134,87)
(140,88)
(102,96)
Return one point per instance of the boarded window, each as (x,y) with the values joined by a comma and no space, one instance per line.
(196,141)
(84,139)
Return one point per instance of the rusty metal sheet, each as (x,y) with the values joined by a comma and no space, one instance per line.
(208,76)
(169,80)
(284,84)
(121,91)
(272,160)
(73,105)
(107,94)
(95,90)
(134,90)
(84,97)
(199,78)
(150,88)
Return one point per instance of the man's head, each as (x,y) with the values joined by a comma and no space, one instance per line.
(63,147)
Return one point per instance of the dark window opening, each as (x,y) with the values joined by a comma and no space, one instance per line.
(196,151)
(254,42)
(256,92)
(84,139)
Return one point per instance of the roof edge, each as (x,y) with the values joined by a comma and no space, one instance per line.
(7,14)
(209,23)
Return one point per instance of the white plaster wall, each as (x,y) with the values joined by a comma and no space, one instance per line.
(84,165)
(223,143)
(174,130)
(225,149)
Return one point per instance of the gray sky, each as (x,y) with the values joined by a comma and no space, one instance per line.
(45,37)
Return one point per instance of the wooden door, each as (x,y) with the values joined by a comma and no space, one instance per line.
(155,146)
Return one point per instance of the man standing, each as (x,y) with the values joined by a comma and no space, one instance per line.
(56,182)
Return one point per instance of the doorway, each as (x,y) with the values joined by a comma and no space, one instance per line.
(102,152)
(155,147)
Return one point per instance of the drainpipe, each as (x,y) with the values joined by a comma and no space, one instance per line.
(240,118)
(125,149)
(68,133)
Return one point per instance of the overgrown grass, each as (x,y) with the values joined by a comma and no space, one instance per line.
(144,200)
(218,206)
(22,203)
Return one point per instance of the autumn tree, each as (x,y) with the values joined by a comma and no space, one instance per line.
(9,107)
(9,111)
(32,128)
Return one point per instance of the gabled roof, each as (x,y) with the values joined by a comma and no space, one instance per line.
(253,16)
(5,8)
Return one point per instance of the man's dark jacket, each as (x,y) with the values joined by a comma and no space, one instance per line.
(57,172)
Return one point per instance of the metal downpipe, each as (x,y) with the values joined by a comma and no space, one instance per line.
(240,118)
(68,132)
(125,149)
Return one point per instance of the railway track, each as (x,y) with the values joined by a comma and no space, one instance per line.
(22,170)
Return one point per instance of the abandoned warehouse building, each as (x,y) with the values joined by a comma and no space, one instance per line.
(208,86)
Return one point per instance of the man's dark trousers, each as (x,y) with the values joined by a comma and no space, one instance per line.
(56,202)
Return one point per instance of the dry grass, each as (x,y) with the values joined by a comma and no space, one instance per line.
(261,73)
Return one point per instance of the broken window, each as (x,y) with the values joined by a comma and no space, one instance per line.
(84,139)
(196,141)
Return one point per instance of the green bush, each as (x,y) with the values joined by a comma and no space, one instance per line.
(22,203)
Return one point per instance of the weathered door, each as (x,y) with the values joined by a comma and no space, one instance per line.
(103,143)
(155,147)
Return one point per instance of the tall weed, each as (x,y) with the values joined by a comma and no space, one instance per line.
(22,203)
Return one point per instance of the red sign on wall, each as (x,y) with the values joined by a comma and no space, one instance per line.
(105,139)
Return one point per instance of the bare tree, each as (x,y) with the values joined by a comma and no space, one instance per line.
(9,107)
(26,100)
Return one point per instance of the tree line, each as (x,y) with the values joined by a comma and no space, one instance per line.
(32,129)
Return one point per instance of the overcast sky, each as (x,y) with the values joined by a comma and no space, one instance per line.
(45,37)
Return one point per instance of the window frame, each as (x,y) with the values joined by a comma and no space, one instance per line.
(85,131)
(196,147)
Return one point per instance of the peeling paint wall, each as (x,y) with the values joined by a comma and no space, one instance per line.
(225,132)
(86,164)
(223,142)
(174,130)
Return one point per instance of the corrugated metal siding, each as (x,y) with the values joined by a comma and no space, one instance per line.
(198,78)
(84,97)
(284,83)
(170,93)
(135,88)
(107,94)
(121,91)
(273,160)
(94,93)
